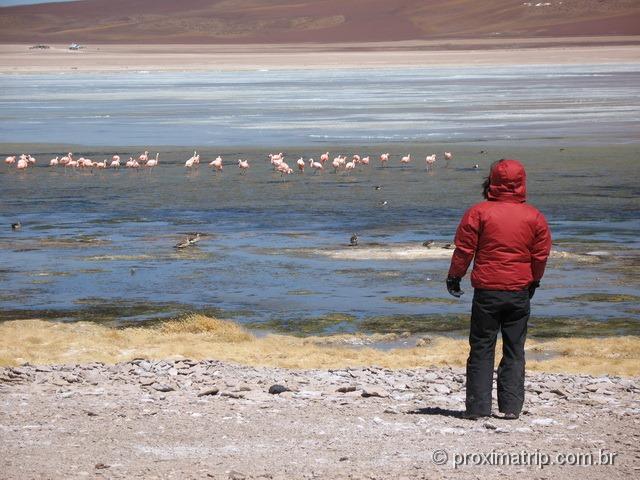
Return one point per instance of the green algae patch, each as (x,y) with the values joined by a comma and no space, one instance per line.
(325,324)
(601,297)
(301,292)
(553,327)
(420,300)
(415,323)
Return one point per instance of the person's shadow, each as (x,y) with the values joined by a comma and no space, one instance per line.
(445,412)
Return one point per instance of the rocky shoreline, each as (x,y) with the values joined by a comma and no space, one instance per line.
(212,419)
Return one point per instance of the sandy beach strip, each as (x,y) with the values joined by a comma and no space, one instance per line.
(114,58)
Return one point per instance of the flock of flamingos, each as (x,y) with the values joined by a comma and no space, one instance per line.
(339,163)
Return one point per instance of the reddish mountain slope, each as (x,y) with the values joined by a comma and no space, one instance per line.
(285,21)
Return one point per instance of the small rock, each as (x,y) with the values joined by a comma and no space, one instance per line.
(430,377)
(560,392)
(235,475)
(374,392)
(101,466)
(162,387)
(231,394)
(347,389)
(209,391)
(278,389)
(439,388)
(489,426)
(544,422)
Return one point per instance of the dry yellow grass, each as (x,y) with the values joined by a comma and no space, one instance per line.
(200,337)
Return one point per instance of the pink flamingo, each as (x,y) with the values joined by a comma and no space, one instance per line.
(406,159)
(144,157)
(365,161)
(350,166)
(317,166)
(284,169)
(10,160)
(129,163)
(243,165)
(217,163)
(54,162)
(66,159)
(276,157)
(153,162)
(22,164)
(192,161)
(448,156)
(430,160)
(384,158)
(31,160)
(72,163)
(115,158)
(300,164)
(324,157)
(115,162)
(102,164)
(337,163)
(356,159)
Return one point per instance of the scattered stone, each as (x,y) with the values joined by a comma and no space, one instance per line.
(101,466)
(235,475)
(347,389)
(560,392)
(544,422)
(278,389)
(440,388)
(489,426)
(374,392)
(430,377)
(231,394)
(208,391)
(162,387)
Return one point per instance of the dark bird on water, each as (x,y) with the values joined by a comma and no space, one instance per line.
(16,226)
(428,243)
(378,187)
(383,203)
(354,240)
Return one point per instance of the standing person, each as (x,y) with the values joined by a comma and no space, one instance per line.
(510,241)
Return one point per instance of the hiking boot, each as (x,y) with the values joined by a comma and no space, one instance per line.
(472,415)
(510,416)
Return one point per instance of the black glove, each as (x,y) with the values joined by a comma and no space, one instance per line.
(453,286)
(532,288)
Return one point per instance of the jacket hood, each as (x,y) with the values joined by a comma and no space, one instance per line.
(508,182)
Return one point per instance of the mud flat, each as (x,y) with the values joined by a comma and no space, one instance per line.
(18,58)
(213,419)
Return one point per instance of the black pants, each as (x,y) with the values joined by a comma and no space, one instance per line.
(492,311)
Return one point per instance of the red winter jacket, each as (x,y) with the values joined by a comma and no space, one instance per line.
(509,239)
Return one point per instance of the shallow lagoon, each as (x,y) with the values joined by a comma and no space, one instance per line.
(99,245)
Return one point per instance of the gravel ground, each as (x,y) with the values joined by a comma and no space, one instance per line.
(209,419)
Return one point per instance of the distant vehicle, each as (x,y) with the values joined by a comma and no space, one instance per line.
(39,46)
(75,46)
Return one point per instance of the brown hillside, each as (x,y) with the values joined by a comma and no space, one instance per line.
(290,21)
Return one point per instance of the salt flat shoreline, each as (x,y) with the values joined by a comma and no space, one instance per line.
(20,59)
(213,419)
